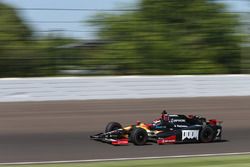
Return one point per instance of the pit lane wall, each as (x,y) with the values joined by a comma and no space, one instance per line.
(124,87)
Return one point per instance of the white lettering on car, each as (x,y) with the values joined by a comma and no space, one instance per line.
(178,120)
(190,134)
(180,126)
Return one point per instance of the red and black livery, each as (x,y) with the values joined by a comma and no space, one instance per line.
(169,128)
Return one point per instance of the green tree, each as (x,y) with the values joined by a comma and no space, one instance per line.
(14,43)
(55,54)
(24,55)
(245,26)
(170,37)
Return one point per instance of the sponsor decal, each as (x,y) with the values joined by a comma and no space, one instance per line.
(172,115)
(161,127)
(190,134)
(181,126)
(178,120)
(120,142)
(170,139)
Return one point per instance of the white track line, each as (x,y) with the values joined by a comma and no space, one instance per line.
(124,159)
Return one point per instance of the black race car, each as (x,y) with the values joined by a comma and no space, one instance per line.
(169,128)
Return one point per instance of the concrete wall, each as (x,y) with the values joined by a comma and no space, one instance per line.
(128,87)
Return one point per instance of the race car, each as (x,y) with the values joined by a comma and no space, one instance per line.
(169,128)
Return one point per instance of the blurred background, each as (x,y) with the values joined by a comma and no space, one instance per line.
(124,37)
(154,41)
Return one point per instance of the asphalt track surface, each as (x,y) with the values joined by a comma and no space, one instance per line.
(58,131)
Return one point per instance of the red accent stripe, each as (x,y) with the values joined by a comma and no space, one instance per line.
(170,139)
(120,142)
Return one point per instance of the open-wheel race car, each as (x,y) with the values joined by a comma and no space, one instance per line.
(169,128)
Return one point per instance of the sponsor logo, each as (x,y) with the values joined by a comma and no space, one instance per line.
(173,115)
(181,126)
(170,139)
(161,127)
(178,120)
(190,134)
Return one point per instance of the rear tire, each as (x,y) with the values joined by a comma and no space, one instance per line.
(207,134)
(139,136)
(112,126)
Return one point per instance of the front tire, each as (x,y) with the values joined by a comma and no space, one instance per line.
(113,126)
(139,136)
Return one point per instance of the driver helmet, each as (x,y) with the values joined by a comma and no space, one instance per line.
(164,115)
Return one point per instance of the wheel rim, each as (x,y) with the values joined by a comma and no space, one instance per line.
(207,135)
(140,137)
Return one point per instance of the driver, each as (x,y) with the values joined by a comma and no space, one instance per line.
(162,122)
(164,116)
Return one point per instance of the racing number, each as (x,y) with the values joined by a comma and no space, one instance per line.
(218,132)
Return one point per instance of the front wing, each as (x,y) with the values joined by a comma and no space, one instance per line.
(108,138)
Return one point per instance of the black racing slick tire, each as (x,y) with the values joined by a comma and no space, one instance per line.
(112,126)
(207,134)
(139,136)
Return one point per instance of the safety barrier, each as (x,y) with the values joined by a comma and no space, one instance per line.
(123,87)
